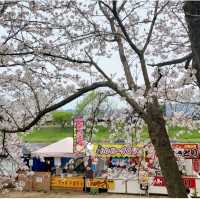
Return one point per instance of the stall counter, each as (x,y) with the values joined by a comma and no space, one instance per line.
(133,187)
(100,183)
(119,186)
(76,182)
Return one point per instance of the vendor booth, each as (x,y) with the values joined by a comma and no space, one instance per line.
(114,168)
(122,167)
(66,167)
(136,170)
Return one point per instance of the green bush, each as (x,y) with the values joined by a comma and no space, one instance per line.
(94,191)
(62,118)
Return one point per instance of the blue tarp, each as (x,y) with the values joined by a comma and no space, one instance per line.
(64,161)
(38,165)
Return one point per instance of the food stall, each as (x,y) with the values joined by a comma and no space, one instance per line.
(121,165)
(115,168)
(65,165)
(187,155)
(136,170)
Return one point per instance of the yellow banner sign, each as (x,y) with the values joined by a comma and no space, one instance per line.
(67,182)
(115,150)
(100,184)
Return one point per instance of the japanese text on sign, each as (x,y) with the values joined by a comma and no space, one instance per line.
(188,151)
(188,182)
(78,134)
(67,182)
(100,183)
(115,150)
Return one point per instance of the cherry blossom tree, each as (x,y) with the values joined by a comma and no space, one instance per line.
(189,22)
(49,49)
(97,109)
(191,10)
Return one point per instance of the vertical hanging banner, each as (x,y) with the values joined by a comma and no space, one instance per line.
(78,134)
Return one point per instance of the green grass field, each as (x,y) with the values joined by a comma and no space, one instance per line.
(185,136)
(47,135)
(53,134)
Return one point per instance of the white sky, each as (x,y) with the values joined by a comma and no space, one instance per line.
(109,66)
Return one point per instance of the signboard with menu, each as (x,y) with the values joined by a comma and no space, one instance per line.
(115,150)
(188,151)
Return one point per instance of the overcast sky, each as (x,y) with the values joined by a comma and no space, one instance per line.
(110,66)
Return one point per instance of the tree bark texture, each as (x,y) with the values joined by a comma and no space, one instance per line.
(160,140)
(192,16)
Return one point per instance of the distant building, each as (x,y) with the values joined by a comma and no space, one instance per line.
(189,110)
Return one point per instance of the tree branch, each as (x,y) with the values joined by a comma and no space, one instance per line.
(34,93)
(115,13)
(131,83)
(156,13)
(67,58)
(58,105)
(15,33)
(98,68)
(48,55)
(133,46)
(17,54)
(95,113)
(155,84)
(174,61)
(121,7)
(130,100)
(151,27)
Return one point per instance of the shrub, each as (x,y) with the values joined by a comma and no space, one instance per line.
(62,118)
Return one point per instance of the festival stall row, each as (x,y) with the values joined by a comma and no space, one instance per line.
(139,169)
(116,168)
(113,167)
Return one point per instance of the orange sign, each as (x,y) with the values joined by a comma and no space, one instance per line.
(67,182)
(100,183)
(185,146)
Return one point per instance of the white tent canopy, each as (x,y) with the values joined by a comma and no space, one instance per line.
(62,148)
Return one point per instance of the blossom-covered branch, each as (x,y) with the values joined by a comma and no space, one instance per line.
(56,106)
(186,58)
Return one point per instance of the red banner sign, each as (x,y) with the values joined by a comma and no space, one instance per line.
(78,134)
(159,181)
(185,146)
(188,181)
(195,165)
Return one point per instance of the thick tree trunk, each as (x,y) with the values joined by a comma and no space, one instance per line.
(165,154)
(192,16)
